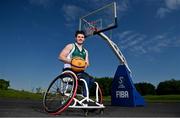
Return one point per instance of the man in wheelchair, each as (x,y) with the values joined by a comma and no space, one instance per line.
(62,92)
(75,52)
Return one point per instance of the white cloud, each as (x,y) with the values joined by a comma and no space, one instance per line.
(132,41)
(130,38)
(138,43)
(169,6)
(44,3)
(138,40)
(123,5)
(138,50)
(124,34)
(72,14)
(172,4)
(156,43)
(162,12)
(174,42)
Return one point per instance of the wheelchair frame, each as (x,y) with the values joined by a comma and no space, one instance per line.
(67,97)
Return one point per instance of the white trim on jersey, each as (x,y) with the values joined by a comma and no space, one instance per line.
(67,65)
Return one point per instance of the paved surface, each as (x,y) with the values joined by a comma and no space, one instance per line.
(29,108)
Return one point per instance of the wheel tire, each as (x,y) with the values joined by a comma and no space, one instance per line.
(55,101)
(85,113)
(101,111)
(100,100)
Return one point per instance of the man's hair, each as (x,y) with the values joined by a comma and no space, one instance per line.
(79,32)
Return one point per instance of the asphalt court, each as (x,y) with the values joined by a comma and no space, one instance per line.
(29,108)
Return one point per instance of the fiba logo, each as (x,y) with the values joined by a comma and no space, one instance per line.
(121,94)
(120,82)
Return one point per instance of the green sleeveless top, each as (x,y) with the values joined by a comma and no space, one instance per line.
(78,53)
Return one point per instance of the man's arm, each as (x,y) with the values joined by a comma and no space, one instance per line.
(87,59)
(64,53)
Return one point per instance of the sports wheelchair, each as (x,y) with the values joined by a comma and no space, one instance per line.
(64,92)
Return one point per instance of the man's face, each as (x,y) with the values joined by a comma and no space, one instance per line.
(80,38)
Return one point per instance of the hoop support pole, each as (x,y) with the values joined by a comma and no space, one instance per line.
(115,49)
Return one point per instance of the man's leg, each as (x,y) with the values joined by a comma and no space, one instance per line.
(89,80)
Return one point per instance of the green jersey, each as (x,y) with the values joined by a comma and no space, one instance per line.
(75,52)
(78,53)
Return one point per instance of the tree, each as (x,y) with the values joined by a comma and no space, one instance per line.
(39,90)
(145,88)
(168,87)
(105,85)
(4,84)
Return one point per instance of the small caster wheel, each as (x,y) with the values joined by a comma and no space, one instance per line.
(86,113)
(101,111)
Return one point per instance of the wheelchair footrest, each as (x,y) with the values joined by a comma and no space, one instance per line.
(88,107)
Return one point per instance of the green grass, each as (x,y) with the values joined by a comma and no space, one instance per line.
(162,98)
(154,98)
(15,94)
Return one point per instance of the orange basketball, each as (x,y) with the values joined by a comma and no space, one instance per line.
(78,64)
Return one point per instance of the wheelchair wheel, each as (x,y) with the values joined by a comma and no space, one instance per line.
(100,96)
(100,101)
(60,93)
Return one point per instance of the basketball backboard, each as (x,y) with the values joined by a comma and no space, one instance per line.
(99,20)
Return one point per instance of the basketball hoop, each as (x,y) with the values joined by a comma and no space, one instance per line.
(92,27)
(99,20)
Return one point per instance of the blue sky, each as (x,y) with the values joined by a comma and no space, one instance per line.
(33,32)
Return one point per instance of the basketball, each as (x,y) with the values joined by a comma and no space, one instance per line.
(78,64)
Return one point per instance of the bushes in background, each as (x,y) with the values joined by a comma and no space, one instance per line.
(4,84)
(168,87)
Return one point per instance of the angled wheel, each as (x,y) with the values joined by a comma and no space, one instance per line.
(60,93)
(100,101)
(98,93)
(85,113)
(100,97)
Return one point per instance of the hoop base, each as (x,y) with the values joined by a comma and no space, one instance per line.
(124,92)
